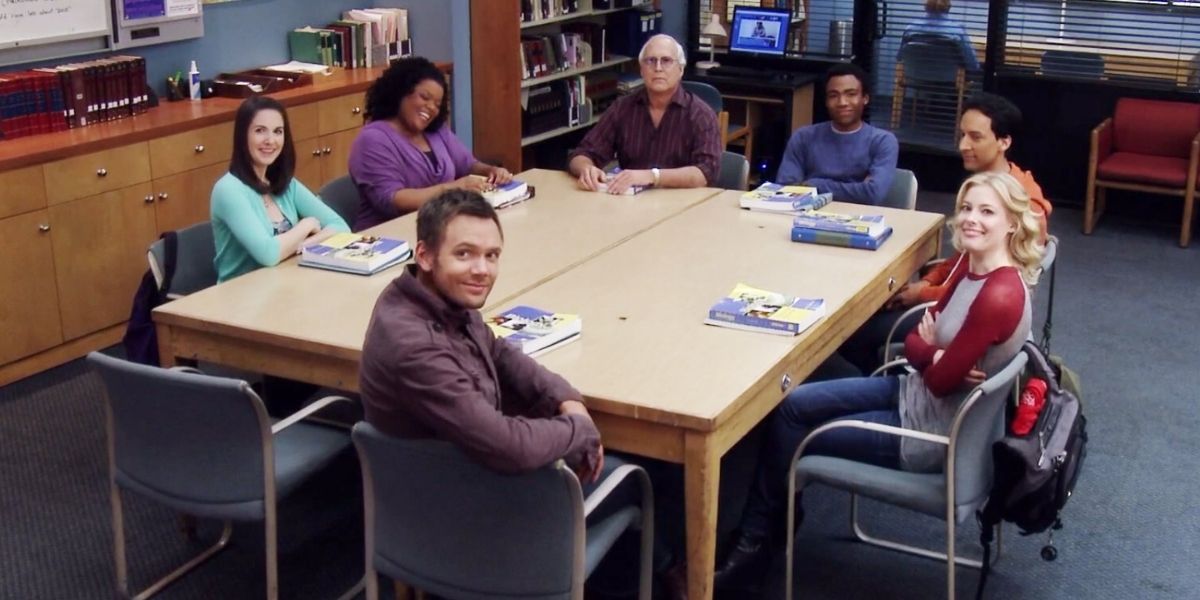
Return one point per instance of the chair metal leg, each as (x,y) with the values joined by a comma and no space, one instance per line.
(355,590)
(863,536)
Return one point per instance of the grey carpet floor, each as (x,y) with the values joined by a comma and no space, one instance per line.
(1124,319)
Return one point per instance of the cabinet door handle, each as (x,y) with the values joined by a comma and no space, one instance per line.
(356,110)
(327,151)
(43,227)
(891,283)
(317,152)
(199,148)
(101,172)
(162,196)
(148,199)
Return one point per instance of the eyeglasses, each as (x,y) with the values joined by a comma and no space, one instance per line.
(655,62)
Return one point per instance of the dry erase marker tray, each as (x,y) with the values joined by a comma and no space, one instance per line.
(257,81)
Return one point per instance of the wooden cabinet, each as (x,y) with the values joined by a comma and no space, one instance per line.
(340,114)
(191,150)
(183,199)
(324,155)
(99,256)
(96,173)
(29,296)
(23,189)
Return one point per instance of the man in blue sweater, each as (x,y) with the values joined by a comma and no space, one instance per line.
(844,156)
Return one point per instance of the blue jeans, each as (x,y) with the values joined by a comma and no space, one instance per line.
(873,399)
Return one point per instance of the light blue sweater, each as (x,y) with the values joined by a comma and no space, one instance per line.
(242,232)
(854,167)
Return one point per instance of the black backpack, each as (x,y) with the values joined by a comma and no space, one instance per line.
(141,338)
(1036,473)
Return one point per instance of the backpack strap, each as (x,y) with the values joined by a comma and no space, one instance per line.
(1048,325)
(170,253)
(1040,367)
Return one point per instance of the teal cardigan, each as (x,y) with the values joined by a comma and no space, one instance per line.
(242,232)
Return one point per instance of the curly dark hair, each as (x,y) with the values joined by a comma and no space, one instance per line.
(398,81)
(280,172)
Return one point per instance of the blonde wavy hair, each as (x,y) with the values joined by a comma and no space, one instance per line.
(1025,245)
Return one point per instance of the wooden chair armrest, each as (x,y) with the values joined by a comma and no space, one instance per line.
(1101,141)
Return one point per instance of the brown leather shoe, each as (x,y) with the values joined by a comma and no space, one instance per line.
(675,581)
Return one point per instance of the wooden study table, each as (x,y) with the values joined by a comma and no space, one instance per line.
(308,324)
(660,383)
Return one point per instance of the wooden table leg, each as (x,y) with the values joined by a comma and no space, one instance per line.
(702,475)
(166,355)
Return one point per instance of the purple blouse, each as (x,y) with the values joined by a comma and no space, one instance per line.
(382,161)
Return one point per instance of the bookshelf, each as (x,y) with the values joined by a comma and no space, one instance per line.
(498,81)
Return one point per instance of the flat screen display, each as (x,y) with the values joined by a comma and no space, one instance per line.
(759,30)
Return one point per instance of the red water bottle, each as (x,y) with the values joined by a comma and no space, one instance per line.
(1030,406)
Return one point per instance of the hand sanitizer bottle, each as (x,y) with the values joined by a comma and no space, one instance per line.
(194,82)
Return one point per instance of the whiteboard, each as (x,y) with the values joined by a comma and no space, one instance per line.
(31,22)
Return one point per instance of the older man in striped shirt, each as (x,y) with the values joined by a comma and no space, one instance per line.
(661,136)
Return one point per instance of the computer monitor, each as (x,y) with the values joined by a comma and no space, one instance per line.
(760,30)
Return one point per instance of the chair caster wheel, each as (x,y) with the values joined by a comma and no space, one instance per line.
(1049,553)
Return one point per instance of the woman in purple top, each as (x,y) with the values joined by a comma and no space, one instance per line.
(405,156)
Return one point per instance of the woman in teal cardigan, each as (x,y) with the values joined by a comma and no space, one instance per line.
(261,214)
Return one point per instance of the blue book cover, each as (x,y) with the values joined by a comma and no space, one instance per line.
(533,329)
(629,191)
(755,309)
(871,225)
(836,238)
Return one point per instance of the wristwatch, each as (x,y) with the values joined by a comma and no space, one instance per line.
(656,174)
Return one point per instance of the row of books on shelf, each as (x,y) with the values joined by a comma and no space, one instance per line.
(50,99)
(362,38)
(567,102)
(540,10)
(543,55)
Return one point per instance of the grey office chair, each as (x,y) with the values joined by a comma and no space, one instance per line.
(204,446)
(742,133)
(342,196)
(954,494)
(903,193)
(193,261)
(443,524)
(932,67)
(735,171)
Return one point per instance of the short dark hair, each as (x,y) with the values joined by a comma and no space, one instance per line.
(280,172)
(845,68)
(398,81)
(1005,116)
(434,215)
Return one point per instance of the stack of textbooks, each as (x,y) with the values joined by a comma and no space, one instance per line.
(533,330)
(510,193)
(753,309)
(853,231)
(777,198)
(355,253)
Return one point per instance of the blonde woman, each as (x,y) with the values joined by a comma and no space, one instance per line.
(973,331)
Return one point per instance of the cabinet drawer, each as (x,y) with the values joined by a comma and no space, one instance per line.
(191,149)
(24,190)
(96,173)
(303,121)
(28,298)
(341,113)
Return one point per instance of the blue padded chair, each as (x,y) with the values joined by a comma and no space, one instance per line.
(204,446)
(735,171)
(342,196)
(903,193)
(193,261)
(955,494)
(742,133)
(931,66)
(443,524)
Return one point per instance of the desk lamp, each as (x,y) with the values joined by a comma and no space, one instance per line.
(712,30)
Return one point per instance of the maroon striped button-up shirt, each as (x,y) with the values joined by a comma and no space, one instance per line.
(686,136)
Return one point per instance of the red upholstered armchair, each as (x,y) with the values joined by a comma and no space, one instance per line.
(1148,146)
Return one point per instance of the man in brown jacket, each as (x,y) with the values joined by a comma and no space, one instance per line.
(431,368)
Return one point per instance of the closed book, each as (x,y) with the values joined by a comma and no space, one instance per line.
(305,45)
(840,238)
(629,191)
(769,312)
(774,197)
(871,225)
(355,253)
(532,330)
(510,193)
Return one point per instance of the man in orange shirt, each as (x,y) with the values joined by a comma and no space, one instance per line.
(987,125)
